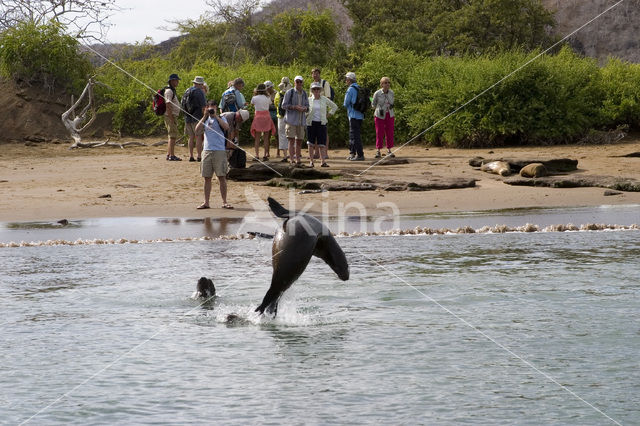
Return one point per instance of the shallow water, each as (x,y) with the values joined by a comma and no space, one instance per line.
(532,328)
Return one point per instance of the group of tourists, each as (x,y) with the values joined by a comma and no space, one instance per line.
(289,113)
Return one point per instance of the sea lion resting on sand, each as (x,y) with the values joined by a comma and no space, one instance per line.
(501,168)
(300,237)
(532,170)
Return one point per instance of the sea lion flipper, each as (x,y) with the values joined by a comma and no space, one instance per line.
(277,208)
(327,249)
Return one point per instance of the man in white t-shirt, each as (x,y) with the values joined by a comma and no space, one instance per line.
(326,91)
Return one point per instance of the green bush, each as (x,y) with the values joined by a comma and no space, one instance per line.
(489,101)
(621,82)
(43,54)
(453,101)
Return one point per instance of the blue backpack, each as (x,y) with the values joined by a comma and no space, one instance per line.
(229,102)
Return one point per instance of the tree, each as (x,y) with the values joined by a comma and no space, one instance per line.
(450,27)
(43,54)
(306,36)
(84,19)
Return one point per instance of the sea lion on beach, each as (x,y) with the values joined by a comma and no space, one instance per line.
(501,168)
(205,288)
(533,170)
(300,237)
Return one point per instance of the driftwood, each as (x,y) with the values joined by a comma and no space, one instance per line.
(266,171)
(371,185)
(74,122)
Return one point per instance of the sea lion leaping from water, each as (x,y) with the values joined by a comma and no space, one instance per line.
(300,237)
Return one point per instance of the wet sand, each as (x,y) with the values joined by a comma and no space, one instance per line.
(48,181)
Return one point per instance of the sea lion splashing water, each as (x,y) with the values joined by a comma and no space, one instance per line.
(300,237)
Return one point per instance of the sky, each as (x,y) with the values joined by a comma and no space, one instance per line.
(143,17)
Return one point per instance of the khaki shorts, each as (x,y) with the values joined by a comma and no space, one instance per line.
(190,129)
(294,132)
(214,162)
(172,127)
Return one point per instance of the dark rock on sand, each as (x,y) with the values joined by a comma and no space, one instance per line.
(610,182)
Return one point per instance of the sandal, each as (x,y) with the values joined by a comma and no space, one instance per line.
(203,206)
(174,158)
(378,155)
(324,165)
(227,206)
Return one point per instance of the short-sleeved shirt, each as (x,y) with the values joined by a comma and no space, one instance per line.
(230,118)
(171,97)
(214,138)
(261,102)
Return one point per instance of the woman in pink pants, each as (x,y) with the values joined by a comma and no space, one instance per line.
(384,117)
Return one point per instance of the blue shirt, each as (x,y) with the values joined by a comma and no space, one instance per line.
(349,101)
(214,138)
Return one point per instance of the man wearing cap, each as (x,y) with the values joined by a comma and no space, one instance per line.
(356,152)
(193,114)
(232,99)
(171,116)
(235,120)
(295,104)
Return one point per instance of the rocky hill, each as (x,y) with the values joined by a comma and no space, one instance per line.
(616,33)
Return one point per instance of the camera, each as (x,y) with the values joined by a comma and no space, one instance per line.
(211,111)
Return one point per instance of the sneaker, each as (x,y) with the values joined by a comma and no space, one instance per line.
(191,159)
(391,154)
(351,157)
(174,158)
(378,155)
(358,158)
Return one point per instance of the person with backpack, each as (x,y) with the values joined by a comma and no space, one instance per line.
(296,105)
(384,116)
(232,99)
(193,102)
(283,142)
(171,115)
(326,91)
(356,116)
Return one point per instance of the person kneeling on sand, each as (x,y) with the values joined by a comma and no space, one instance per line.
(214,158)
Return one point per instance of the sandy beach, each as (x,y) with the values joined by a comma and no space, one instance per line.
(47,181)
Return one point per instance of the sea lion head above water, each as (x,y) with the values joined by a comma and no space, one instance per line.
(205,288)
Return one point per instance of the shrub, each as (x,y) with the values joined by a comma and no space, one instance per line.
(621,84)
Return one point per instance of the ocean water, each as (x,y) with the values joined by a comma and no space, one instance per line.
(485,328)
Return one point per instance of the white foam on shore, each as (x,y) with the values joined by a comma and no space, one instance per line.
(418,230)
